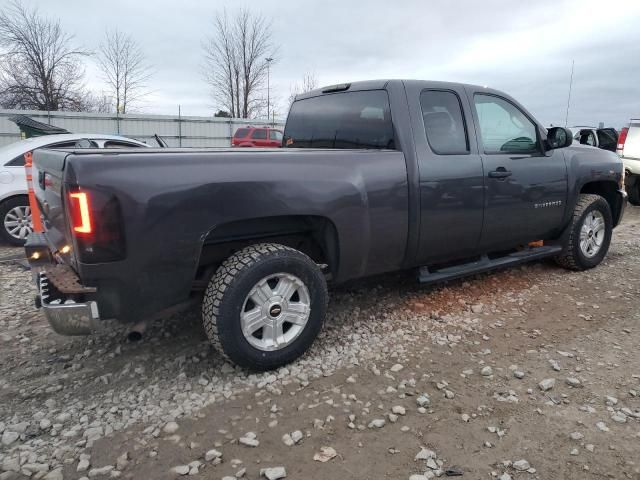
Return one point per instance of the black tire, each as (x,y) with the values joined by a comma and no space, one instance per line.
(5,207)
(229,287)
(572,256)
(633,190)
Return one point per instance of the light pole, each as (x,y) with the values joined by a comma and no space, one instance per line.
(269,60)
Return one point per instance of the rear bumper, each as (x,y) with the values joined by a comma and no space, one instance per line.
(61,296)
(65,315)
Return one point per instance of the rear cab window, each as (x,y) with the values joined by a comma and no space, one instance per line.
(346,120)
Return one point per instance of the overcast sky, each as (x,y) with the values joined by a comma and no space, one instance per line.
(522,47)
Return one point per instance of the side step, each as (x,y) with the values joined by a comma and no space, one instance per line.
(485,264)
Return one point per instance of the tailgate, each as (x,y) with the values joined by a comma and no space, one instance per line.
(48,171)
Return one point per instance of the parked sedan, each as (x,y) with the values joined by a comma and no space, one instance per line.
(15,214)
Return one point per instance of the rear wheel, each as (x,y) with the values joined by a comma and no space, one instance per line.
(589,235)
(15,220)
(265,306)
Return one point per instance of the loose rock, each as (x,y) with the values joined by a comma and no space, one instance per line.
(325,454)
(212,455)
(377,423)
(273,473)
(547,384)
(425,454)
(181,469)
(521,465)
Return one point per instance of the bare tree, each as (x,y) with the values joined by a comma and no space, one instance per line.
(99,103)
(235,65)
(40,69)
(124,68)
(309,82)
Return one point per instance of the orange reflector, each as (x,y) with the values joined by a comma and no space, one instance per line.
(33,203)
(82,212)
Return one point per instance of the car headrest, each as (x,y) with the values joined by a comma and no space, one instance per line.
(438,122)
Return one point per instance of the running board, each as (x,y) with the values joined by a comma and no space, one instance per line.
(485,264)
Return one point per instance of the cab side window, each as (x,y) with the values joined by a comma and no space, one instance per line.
(503,126)
(444,122)
(259,134)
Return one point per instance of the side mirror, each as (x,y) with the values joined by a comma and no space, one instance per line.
(559,137)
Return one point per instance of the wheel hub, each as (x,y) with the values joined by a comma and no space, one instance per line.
(592,233)
(275,312)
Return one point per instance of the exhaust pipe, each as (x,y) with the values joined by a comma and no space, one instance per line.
(135,334)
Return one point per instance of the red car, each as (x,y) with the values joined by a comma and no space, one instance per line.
(257,137)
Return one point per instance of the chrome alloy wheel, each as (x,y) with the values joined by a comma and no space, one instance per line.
(275,312)
(592,233)
(17,222)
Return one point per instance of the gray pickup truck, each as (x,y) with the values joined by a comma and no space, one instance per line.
(441,178)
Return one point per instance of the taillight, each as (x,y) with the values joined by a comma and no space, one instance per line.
(80,213)
(96,224)
(622,138)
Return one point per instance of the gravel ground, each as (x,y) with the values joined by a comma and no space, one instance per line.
(529,373)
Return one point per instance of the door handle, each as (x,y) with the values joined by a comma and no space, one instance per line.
(500,172)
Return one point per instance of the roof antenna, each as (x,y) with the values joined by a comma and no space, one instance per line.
(566,118)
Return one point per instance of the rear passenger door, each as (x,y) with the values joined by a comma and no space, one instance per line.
(451,176)
(259,137)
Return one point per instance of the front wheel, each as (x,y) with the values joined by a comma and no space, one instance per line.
(265,306)
(589,234)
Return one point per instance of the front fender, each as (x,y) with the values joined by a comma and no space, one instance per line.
(592,170)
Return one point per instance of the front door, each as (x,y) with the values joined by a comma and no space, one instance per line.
(526,186)
(451,176)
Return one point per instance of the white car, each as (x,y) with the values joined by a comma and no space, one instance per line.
(15,214)
(629,151)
